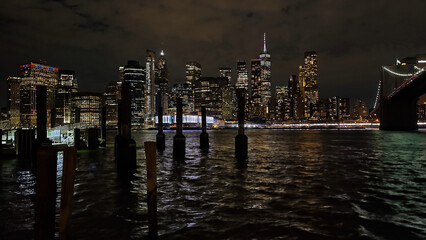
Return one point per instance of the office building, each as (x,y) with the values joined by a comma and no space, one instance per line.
(150,87)
(67,85)
(162,84)
(32,75)
(14,99)
(293,93)
(311,97)
(133,73)
(213,93)
(89,105)
(360,110)
(184,91)
(265,65)
(225,72)
(243,82)
(110,102)
(193,74)
(257,112)
(283,103)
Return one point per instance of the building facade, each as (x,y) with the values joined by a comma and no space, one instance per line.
(32,75)
(265,75)
(133,73)
(243,82)
(67,85)
(162,84)
(89,105)
(192,74)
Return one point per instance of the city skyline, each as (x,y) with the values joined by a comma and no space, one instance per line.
(94,42)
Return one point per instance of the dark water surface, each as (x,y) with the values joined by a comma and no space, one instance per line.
(307,184)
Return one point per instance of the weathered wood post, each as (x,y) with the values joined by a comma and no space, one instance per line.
(93,139)
(204,136)
(151,176)
(67,192)
(103,125)
(161,137)
(179,138)
(125,146)
(45,201)
(41,102)
(241,141)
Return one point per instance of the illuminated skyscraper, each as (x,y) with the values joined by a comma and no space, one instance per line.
(334,109)
(225,72)
(162,83)
(150,86)
(292,95)
(110,102)
(243,81)
(184,91)
(256,110)
(89,104)
(300,98)
(215,95)
(133,73)
(283,103)
(311,85)
(265,63)
(193,73)
(34,74)
(360,110)
(14,85)
(67,85)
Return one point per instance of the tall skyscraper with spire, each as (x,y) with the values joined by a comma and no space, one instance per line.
(265,75)
(162,83)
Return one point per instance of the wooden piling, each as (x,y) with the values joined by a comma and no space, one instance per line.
(41,102)
(160,138)
(45,193)
(241,141)
(204,136)
(125,146)
(179,139)
(67,192)
(93,139)
(151,168)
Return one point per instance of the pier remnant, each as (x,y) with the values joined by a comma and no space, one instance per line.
(41,107)
(179,139)
(204,136)
(67,192)
(45,201)
(241,141)
(125,146)
(160,138)
(151,169)
(93,138)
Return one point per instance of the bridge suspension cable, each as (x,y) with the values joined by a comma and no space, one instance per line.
(398,74)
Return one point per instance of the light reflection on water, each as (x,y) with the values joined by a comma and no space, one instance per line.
(295,184)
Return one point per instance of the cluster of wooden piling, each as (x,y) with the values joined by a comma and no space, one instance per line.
(45,159)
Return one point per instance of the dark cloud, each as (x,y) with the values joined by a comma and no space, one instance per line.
(352,38)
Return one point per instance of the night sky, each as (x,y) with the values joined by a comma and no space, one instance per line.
(352,38)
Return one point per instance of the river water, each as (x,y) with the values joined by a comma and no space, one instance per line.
(296,184)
